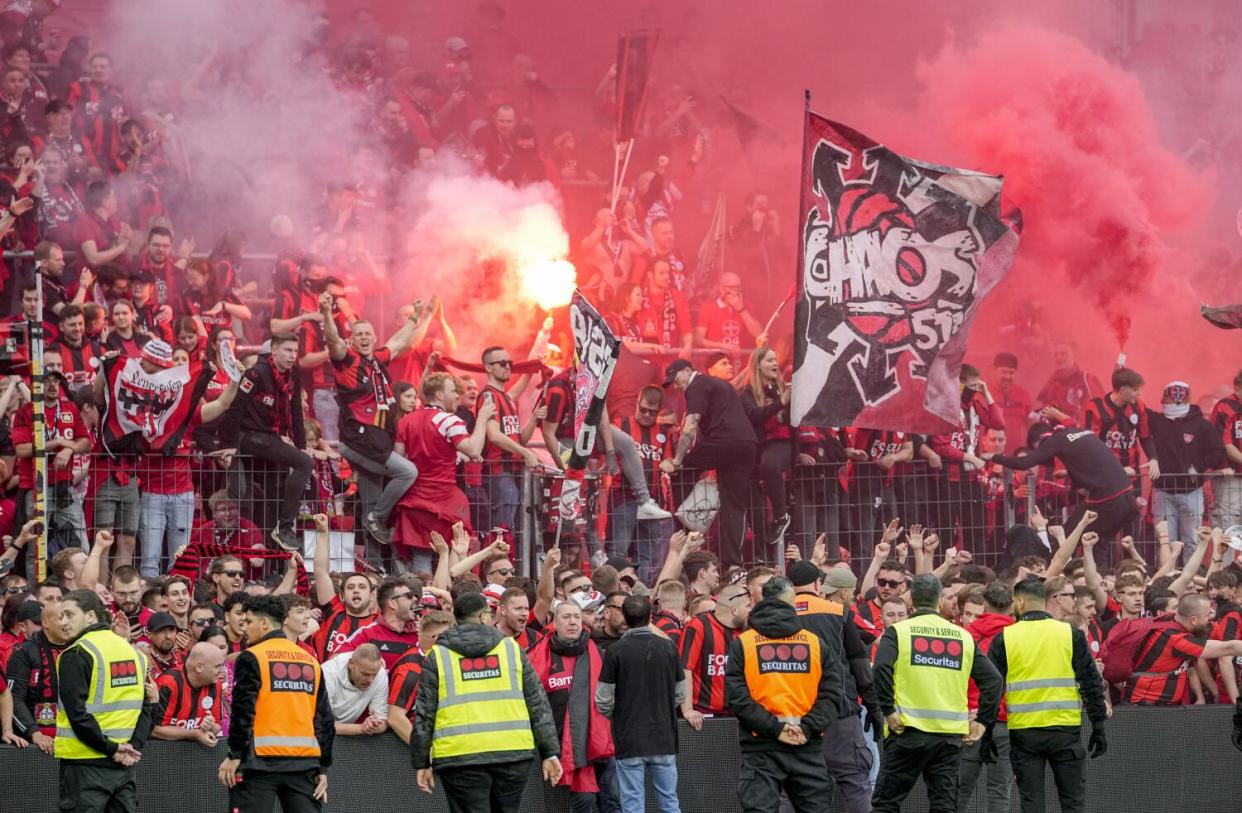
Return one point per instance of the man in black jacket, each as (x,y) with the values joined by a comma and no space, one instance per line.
(641,685)
(784,683)
(479,764)
(267,419)
(716,434)
(1092,466)
(1186,446)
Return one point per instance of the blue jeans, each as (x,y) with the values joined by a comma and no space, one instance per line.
(1183,512)
(649,535)
(663,771)
(160,517)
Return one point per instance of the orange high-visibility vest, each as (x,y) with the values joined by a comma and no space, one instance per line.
(782,674)
(284,713)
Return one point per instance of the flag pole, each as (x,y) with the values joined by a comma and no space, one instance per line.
(619,178)
(791,498)
(34,335)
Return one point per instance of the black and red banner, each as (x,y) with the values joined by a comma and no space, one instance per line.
(896,257)
(635,50)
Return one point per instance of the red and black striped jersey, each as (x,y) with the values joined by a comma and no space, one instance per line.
(1162,668)
(100,112)
(653,443)
(1122,428)
(704,648)
(510,425)
(403,681)
(1227,418)
(869,620)
(559,399)
(668,624)
(82,363)
(1228,627)
(184,706)
(364,391)
(336,629)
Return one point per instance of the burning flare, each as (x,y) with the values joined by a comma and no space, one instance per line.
(550,283)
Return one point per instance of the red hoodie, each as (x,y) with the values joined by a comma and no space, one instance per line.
(985,628)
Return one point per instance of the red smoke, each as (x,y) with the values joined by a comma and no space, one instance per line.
(1076,140)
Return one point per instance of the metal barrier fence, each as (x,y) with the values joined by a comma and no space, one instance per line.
(167,502)
(1159,761)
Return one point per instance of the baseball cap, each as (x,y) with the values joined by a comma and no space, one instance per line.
(588,601)
(455,44)
(142,275)
(673,369)
(803,572)
(1005,360)
(158,352)
(160,621)
(30,611)
(838,578)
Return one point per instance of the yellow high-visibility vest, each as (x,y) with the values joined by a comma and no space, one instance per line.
(481,706)
(931,676)
(1040,687)
(116,694)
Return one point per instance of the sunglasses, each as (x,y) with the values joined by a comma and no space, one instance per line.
(202,622)
(582,588)
(404,595)
(889,583)
(502,363)
(504,571)
(234,574)
(15,589)
(642,410)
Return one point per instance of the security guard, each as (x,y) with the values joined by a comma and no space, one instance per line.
(105,710)
(923,670)
(480,716)
(282,726)
(784,685)
(1050,675)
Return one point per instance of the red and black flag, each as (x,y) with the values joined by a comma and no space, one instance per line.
(635,50)
(1226,317)
(896,257)
(148,411)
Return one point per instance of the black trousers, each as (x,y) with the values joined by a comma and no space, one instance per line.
(774,463)
(735,467)
(271,448)
(1031,749)
(495,788)
(912,754)
(258,790)
(799,772)
(97,788)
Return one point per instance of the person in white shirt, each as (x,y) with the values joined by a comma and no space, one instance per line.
(357,685)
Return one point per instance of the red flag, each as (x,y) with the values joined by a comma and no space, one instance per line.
(896,257)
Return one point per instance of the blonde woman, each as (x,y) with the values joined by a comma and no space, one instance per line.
(765,397)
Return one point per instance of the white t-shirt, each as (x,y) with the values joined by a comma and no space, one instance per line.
(349,703)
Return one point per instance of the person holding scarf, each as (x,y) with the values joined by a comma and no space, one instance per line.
(568,664)
(368,421)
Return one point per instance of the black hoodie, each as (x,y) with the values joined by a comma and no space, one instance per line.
(758,728)
(473,641)
(1183,443)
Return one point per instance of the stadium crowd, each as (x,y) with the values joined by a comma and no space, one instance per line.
(369,479)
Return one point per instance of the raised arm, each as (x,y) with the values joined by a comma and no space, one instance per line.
(324,589)
(547,586)
(1195,561)
(337,348)
(1090,571)
(409,334)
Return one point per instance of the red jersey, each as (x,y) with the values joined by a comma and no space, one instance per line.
(668,624)
(666,321)
(392,643)
(61,422)
(497,459)
(704,647)
(1162,668)
(1227,418)
(184,706)
(1228,627)
(310,334)
(403,681)
(723,324)
(1123,429)
(976,414)
(100,112)
(876,443)
(104,233)
(431,436)
(336,629)
(869,620)
(653,444)
(160,667)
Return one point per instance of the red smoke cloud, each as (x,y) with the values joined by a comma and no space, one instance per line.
(1075,138)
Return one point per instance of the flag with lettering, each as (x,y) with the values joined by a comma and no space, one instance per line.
(896,256)
(146,411)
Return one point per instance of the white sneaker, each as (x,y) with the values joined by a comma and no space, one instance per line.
(650,510)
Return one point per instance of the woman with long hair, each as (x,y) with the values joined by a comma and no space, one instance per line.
(765,397)
(627,304)
(205,298)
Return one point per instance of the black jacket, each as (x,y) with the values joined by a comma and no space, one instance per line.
(758,728)
(74,670)
(841,634)
(1181,444)
(473,641)
(982,672)
(255,409)
(759,415)
(246,682)
(31,672)
(1090,685)
(1091,464)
